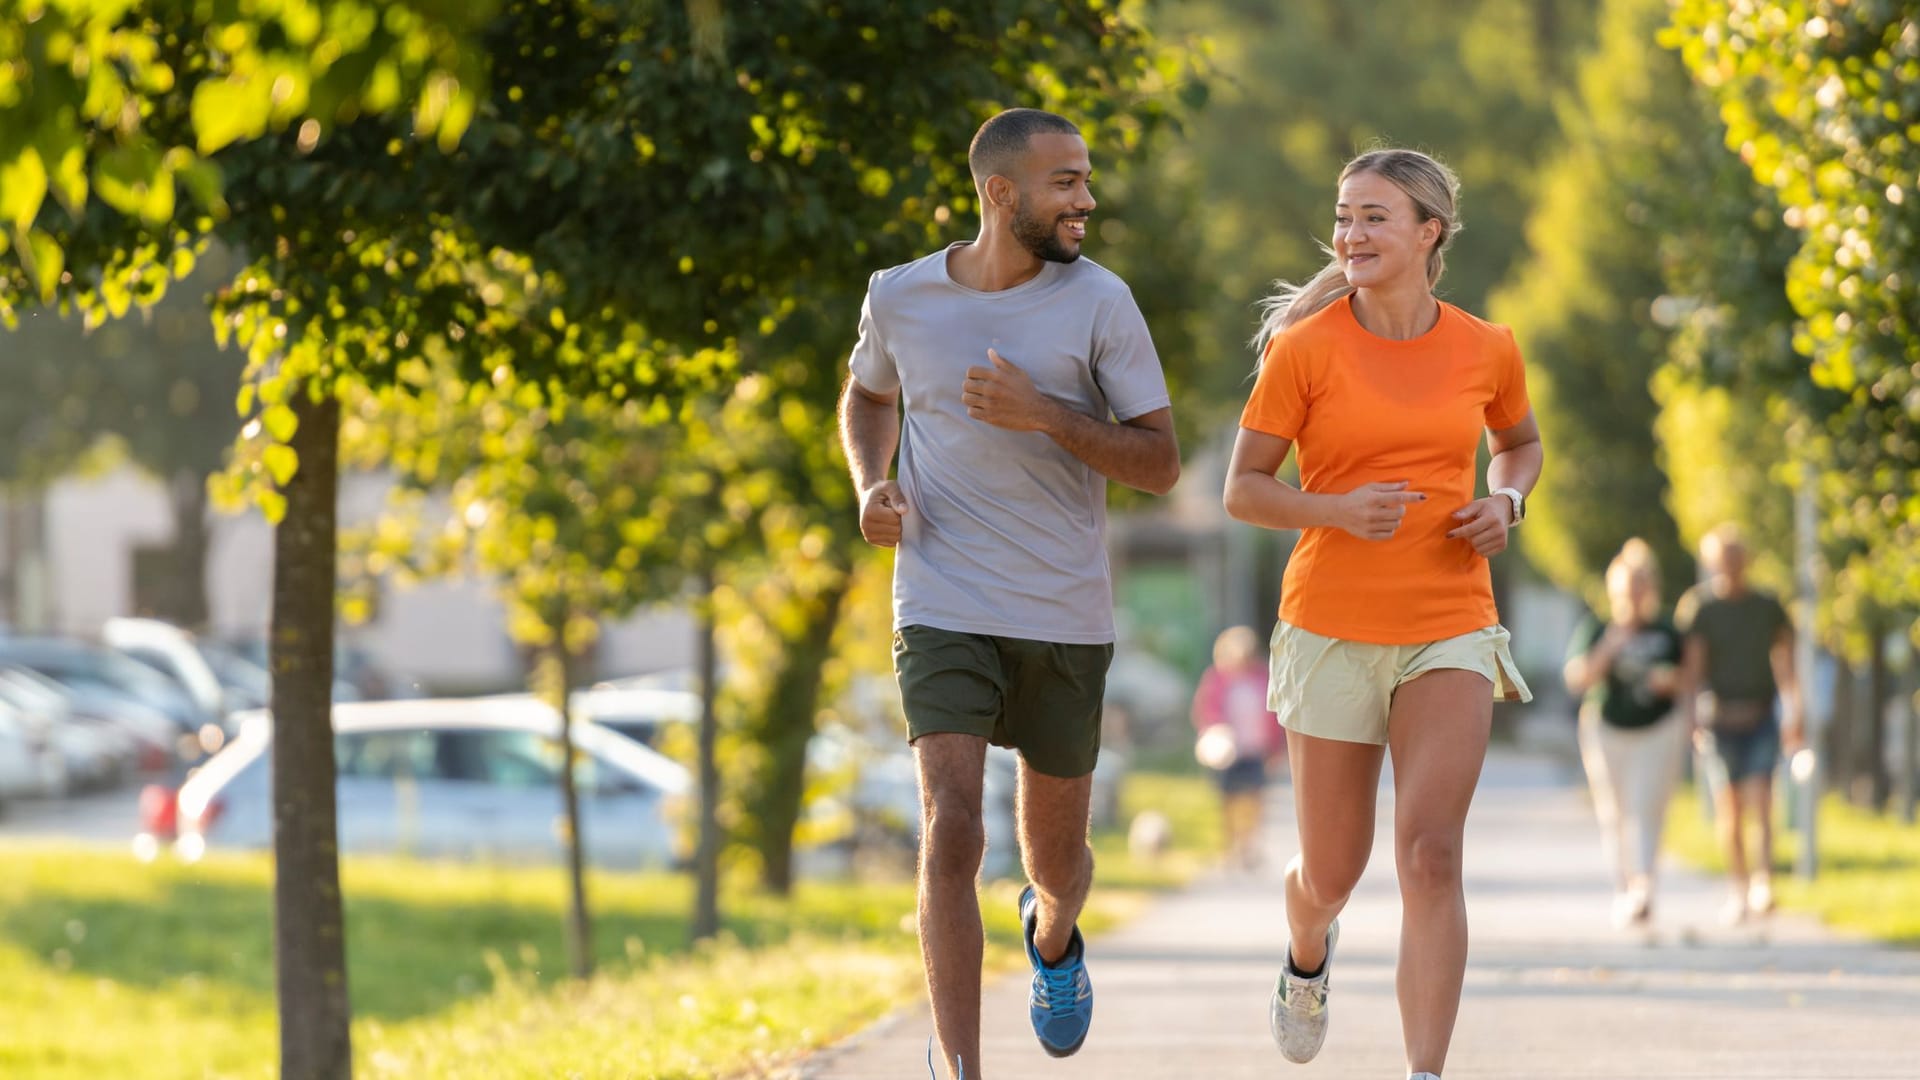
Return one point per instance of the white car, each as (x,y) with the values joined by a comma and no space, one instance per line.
(172,652)
(94,752)
(465,778)
(22,759)
(639,714)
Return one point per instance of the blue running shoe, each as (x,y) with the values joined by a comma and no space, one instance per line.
(1061,1001)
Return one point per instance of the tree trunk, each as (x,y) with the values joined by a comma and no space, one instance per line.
(1879,783)
(29,606)
(783,730)
(1546,36)
(1910,747)
(706,859)
(186,595)
(309,928)
(555,684)
(707,19)
(1839,741)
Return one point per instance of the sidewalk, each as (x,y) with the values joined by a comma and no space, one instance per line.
(1552,991)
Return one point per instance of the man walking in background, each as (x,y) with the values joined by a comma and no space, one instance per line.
(1738,661)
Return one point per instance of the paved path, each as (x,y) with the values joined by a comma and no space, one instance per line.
(1552,991)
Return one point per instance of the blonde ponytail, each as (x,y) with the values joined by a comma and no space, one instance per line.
(1290,303)
(1435,192)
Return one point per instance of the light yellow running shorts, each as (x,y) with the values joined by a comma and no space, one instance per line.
(1335,689)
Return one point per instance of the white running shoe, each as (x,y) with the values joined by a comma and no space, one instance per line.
(1734,911)
(1298,1011)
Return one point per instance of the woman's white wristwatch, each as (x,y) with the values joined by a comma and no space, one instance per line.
(1519,504)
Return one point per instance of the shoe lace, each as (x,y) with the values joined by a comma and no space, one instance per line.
(1063,989)
(934,1074)
(1309,996)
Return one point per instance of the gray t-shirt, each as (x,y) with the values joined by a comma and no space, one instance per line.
(1005,531)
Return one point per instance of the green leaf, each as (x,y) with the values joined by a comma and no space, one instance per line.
(23,187)
(280,422)
(125,176)
(47,263)
(272,504)
(116,295)
(61,146)
(282,461)
(157,207)
(207,186)
(227,111)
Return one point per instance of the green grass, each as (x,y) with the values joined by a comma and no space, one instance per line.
(1192,807)
(1869,875)
(111,968)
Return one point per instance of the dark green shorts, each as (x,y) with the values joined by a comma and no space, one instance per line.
(1039,697)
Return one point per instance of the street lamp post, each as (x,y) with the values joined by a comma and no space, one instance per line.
(1806,768)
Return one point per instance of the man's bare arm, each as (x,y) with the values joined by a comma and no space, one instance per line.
(1787,677)
(1693,675)
(870,433)
(1141,452)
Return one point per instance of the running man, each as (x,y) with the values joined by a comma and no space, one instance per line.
(1028,379)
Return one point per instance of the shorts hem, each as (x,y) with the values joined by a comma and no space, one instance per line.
(1346,735)
(1003,630)
(1356,695)
(914,732)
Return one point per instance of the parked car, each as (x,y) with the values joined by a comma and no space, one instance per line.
(357,675)
(470,778)
(117,686)
(143,736)
(95,752)
(21,758)
(247,685)
(223,678)
(172,652)
(639,714)
(36,742)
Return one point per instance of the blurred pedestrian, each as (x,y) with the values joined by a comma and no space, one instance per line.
(1239,738)
(1737,671)
(1627,671)
(1028,379)
(1389,637)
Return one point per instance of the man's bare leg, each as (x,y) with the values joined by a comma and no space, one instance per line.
(1053,847)
(953,838)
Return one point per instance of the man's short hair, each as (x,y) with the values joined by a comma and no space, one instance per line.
(1003,139)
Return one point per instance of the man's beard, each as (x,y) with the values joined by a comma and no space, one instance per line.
(1042,238)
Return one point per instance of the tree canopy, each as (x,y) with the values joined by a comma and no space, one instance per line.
(1820,99)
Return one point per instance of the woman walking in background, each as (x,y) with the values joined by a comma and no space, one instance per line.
(1389,638)
(1627,670)
(1239,738)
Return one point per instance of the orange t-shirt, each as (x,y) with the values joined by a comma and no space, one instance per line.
(1362,409)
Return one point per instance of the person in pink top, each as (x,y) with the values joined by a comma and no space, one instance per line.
(1240,739)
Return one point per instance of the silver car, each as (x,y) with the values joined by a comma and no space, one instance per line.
(466,778)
